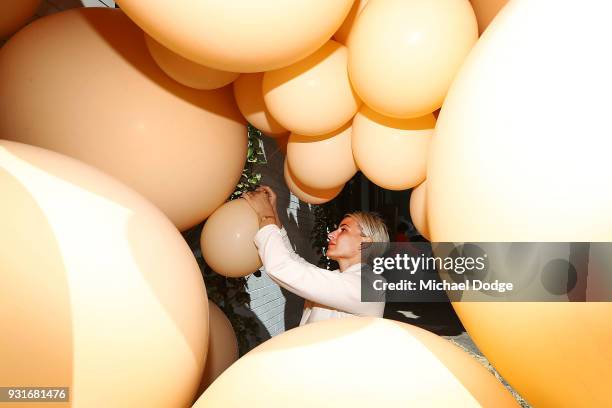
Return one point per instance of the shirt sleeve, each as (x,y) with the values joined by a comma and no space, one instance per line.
(329,288)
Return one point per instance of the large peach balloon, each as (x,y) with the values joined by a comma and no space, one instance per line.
(248,93)
(392,152)
(227,240)
(486,10)
(14,14)
(403,54)
(344,31)
(100,293)
(322,162)
(313,96)
(240,35)
(188,72)
(308,194)
(532,129)
(356,362)
(222,346)
(82,83)
(418,209)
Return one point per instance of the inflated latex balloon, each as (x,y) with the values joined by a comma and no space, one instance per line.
(188,72)
(316,365)
(392,153)
(249,97)
(100,293)
(222,346)
(308,194)
(418,209)
(240,35)
(227,240)
(322,162)
(181,148)
(486,10)
(313,96)
(14,14)
(532,128)
(344,31)
(404,54)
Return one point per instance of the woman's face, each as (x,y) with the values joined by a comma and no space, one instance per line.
(345,242)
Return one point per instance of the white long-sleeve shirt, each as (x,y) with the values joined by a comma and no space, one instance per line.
(328,294)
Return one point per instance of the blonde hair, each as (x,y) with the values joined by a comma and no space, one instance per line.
(372,226)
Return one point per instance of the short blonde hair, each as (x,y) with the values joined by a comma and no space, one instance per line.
(373,226)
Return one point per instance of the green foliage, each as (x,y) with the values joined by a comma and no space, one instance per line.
(230,294)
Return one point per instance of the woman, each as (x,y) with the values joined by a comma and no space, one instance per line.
(328,294)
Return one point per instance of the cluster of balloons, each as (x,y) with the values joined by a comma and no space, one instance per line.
(351,85)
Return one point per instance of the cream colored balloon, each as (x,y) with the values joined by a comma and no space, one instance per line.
(344,31)
(248,94)
(101,98)
(97,287)
(316,366)
(227,240)
(307,194)
(240,35)
(188,72)
(404,54)
(322,162)
(14,14)
(486,10)
(534,166)
(222,346)
(313,96)
(392,153)
(418,209)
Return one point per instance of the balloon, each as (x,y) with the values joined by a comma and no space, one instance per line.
(222,346)
(14,14)
(418,209)
(486,10)
(532,167)
(248,93)
(391,152)
(100,293)
(307,194)
(313,96)
(316,365)
(404,54)
(227,240)
(241,35)
(101,98)
(344,31)
(322,162)
(185,71)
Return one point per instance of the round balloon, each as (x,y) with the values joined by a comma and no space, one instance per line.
(322,162)
(188,72)
(418,209)
(222,346)
(227,240)
(486,10)
(313,96)
(398,366)
(404,54)
(181,148)
(14,14)
(240,35)
(97,287)
(533,168)
(344,31)
(308,194)
(248,93)
(390,152)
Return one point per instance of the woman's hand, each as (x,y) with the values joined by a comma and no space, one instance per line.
(260,202)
